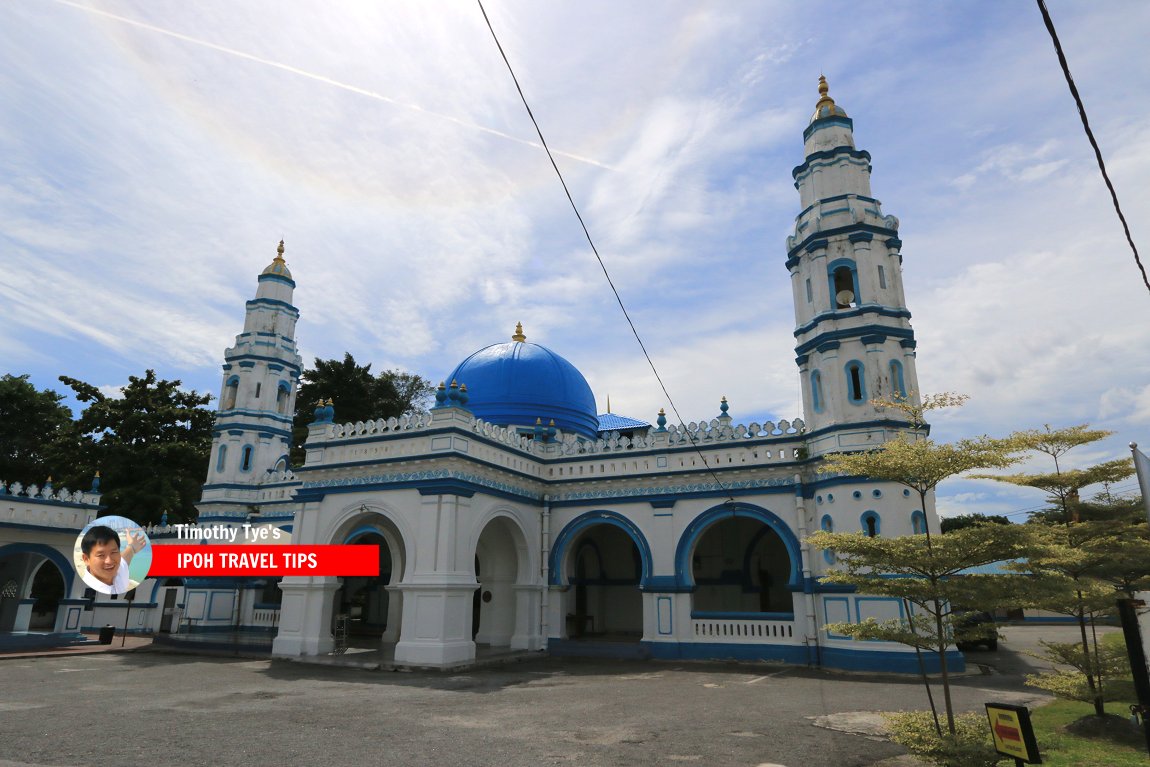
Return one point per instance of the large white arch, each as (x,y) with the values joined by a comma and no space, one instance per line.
(508,582)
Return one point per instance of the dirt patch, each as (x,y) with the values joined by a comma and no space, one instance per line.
(1109,727)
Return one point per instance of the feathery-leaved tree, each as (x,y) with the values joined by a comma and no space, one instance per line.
(928,566)
(1075,551)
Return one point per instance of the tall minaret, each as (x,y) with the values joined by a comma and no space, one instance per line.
(853,337)
(257,400)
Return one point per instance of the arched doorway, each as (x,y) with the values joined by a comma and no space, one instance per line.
(47,589)
(366,600)
(739,559)
(605,570)
(500,567)
(32,572)
(740,566)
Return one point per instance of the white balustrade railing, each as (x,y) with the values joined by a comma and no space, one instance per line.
(743,631)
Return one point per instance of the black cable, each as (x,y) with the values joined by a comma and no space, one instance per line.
(1090,135)
(587,234)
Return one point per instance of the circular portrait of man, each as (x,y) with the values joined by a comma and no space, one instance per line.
(112,555)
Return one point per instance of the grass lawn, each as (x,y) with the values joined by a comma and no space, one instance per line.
(1062,750)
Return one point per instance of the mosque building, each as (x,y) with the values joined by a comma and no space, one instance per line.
(513,514)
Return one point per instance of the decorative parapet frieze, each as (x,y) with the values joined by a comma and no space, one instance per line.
(681,435)
(48,493)
(405,423)
(285,476)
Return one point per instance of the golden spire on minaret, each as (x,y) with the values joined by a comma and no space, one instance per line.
(825,106)
(278,266)
(824,99)
(519,337)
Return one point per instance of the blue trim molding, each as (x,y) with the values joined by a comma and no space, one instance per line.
(829,154)
(816,343)
(894,661)
(842,314)
(827,122)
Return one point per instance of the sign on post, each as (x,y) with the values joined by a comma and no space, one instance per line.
(1012,732)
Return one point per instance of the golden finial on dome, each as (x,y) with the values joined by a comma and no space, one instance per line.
(519,337)
(278,266)
(824,99)
(825,106)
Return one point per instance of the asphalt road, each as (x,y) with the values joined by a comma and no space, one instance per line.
(159,709)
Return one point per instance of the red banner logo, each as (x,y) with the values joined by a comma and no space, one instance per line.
(200,561)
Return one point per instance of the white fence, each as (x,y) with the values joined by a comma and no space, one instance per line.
(744,631)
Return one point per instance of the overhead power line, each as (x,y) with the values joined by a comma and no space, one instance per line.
(1090,135)
(595,250)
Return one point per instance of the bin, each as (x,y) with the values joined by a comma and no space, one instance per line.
(107,633)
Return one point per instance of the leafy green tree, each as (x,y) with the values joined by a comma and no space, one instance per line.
(36,433)
(1071,549)
(1109,664)
(928,563)
(1063,487)
(151,447)
(971,520)
(928,577)
(356,393)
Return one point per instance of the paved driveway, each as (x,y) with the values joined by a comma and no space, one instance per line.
(159,709)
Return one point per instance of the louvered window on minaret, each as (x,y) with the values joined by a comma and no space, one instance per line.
(844,288)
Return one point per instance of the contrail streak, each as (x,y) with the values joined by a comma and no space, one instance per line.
(322,79)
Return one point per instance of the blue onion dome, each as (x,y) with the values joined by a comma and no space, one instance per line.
(516,383)
(826,106)
(278,266)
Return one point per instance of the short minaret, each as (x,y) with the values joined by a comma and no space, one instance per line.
(257,400)
(853,337)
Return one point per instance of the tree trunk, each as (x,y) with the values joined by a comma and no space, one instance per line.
(1088,667)
(942,644)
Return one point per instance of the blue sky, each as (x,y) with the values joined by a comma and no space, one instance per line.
(152,154)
